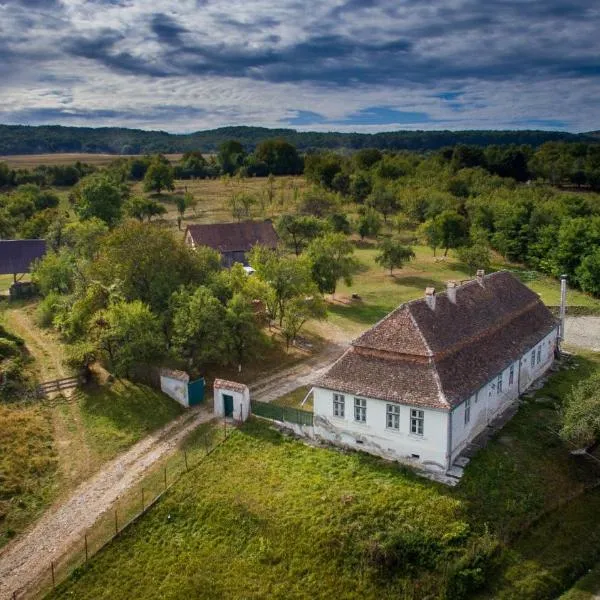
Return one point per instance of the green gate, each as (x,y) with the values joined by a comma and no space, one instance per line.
(228,405)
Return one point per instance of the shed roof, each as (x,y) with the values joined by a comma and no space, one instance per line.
(223,384)
(175,374)
(439,357)
(16,256)
(234,237)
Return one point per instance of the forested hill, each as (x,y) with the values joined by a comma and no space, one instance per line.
(22,139)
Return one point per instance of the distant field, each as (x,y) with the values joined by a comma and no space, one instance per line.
(30,161)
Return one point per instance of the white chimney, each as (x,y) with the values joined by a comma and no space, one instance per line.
(451,291)
(480,276)
(563,306)
(430,297)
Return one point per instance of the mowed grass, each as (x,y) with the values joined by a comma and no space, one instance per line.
(268,517)
(381,292)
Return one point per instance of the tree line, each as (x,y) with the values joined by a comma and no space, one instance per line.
(20,139)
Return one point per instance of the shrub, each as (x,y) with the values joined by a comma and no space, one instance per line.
(48,308)
(8,348)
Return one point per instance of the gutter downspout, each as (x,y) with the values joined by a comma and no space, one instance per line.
(450,412)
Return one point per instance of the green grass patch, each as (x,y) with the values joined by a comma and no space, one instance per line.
(267,516)
(294,399)
(28,466)
(119,415)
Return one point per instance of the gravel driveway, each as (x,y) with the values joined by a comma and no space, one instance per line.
(583,332)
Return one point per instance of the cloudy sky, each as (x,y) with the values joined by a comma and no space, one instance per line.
(348,65)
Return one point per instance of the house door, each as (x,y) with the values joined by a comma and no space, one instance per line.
(228,405)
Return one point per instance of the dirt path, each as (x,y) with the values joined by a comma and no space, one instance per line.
(24,562)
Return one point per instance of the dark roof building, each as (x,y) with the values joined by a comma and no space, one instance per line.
(437,351)
(232,240)
(17,256)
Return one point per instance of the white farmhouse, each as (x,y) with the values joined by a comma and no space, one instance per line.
(431,375)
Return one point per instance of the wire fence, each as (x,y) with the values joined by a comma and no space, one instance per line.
(288,414)
(130,506)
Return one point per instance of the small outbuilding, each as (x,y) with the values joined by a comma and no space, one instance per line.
(178,386)
(231,399)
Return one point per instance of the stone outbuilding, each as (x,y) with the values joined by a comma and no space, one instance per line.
(231,399)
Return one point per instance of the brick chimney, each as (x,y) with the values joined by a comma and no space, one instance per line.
(480,275)
(451,291)
(430,297)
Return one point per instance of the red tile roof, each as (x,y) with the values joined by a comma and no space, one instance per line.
(440,357)
(234,237)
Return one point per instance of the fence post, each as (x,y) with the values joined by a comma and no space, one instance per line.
(52,569)
(86,548)
(116,523)
(185,458)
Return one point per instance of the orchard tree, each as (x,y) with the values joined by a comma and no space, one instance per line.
(393,254)
(231,156)
(300,310)
(298,230)
(141,208)
(384,200)
(369,223)
(127,333)
(475,256)
(98,196)
(331,260)
(159,176)
(244,336)
(241,205)
(198,330)
(84,237)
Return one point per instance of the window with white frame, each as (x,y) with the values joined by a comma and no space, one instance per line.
(417,418)
(511,375)
(533,358)
(499,383)
(467,410)
(392,416)
(539,355)
(339,405)
(360,410)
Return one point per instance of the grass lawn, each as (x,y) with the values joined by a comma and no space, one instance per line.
(294,399)
(300,522)
(381,292)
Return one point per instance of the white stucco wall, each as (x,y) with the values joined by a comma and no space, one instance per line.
(487,403)
(176,389)
(241,403)
(374,437)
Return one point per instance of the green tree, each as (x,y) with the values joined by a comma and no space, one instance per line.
(198,332)
(244,336)
(331,260)
(98,196)
(393,254)
(84,237)
(159,176)
(476,256)
(299,311)
(241,205)
(127,333)
(446,230)
(369,223)
(141,208)
(581,413)
(55,272)
(184,202)
(588,273)
(151,262)
(297,231)
(231,156)
(279,156)
(384,200)
(286,277)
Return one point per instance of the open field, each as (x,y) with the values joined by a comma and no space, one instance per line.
(299,521)
(30,161)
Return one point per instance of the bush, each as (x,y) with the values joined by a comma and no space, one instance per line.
(48,308)
(8,348)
